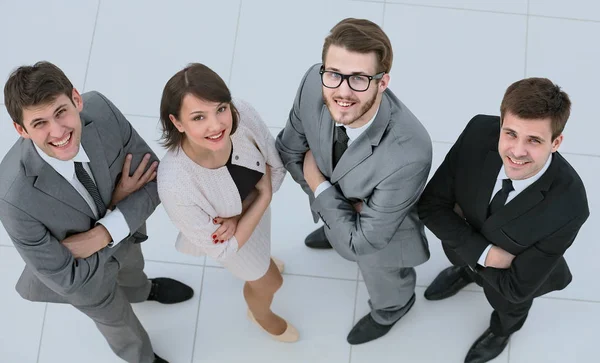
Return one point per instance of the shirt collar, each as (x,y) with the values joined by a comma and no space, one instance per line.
(66,168)
(353,134)
(520,185)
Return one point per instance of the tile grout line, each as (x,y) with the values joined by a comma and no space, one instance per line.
(354,311)
(198,312)
(526,40)
(493,11)
(87,67)
(455,8)
(383,15)
(237,30)
(42,334)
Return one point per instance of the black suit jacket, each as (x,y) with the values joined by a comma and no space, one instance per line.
(537,226)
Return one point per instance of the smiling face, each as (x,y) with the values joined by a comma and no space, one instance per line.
(54,127)
(525,145)
(206,125)
(349,107)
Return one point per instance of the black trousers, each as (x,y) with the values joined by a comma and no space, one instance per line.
(507,317)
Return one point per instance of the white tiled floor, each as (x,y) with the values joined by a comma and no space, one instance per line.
(453,59)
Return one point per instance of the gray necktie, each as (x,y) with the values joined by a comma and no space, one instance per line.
(91,187)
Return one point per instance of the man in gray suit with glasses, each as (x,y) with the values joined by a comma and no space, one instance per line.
(73,211)
(363,159)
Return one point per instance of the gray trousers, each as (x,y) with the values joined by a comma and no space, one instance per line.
(114,315)
(390,290)
(390,287)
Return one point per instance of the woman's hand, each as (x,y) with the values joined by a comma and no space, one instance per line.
(226,229)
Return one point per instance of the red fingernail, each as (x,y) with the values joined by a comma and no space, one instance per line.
(222,241)
(214,236)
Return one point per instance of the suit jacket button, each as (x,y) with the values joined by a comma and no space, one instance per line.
(237,157)
(257,163)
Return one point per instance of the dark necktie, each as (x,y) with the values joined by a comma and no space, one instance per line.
(91,187)
(499,199)
(340,144)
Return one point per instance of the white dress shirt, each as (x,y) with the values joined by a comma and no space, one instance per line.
(114,221)
(518,186)
(353,134)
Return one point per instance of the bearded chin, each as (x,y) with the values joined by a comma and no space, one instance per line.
(361,112)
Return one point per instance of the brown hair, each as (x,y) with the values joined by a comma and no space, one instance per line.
(537,98)
(361,36)
(198,80)
(34,85)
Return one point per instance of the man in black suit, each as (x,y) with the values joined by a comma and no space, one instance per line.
(506,205)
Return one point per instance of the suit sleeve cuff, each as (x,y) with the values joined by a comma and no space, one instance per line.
(116,225)
(322,187)
(483,257)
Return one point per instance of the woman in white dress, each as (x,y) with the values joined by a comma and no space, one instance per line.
(216,183)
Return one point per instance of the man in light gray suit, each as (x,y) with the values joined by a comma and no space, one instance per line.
(363,159)
(74,212)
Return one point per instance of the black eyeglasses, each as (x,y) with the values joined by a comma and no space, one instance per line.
(357,82)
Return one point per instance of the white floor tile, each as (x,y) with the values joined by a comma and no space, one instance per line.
(59,32)
(135,53)
(271,56)
(445,72)
(557,331)
(576,9)
(170,327)
(320,309)
(510,6)
(8,134)
(450,326)
(581,256)
(160,245)
(574,68)
(21,320)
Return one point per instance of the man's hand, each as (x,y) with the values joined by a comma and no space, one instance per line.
(85,244)
(312,174)
(129,184)
(226,229)
(498,258)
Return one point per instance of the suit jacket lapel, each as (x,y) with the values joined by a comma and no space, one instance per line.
(90,139)
(326,139)
(48,181)
(489,174)
(362,147)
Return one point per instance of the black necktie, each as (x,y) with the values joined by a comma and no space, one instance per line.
(499,199)
(340,144)
(91,187)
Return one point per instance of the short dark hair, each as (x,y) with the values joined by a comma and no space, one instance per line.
(34,85)
(537,98)
(198,80)
(361,36)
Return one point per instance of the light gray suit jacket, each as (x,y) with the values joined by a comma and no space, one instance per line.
(386,168)
(39,208)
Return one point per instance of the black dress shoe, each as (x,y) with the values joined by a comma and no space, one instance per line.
(448,283)
(169,291)
(487,347)
(158,359)
(368,329)
(317,239)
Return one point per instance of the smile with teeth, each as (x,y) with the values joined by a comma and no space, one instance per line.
(215,137)
(344,104)
(516,161)
(62,142)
